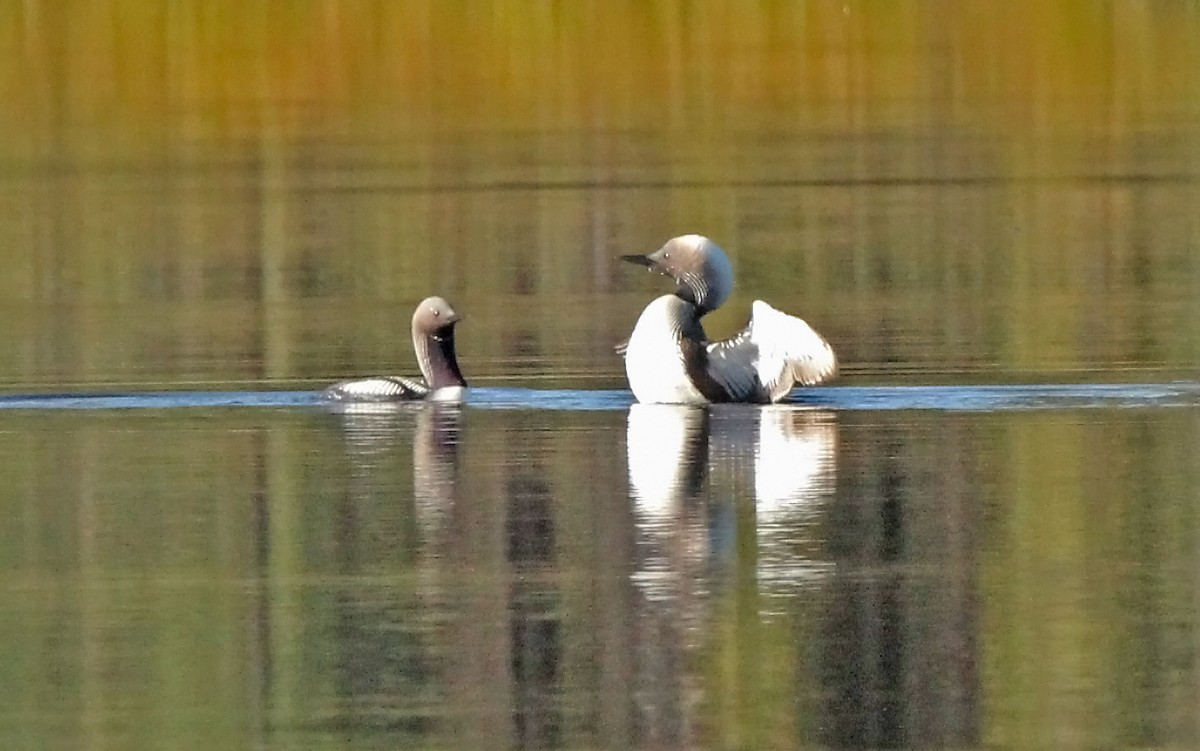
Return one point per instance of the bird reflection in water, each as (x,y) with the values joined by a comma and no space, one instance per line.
(691,467)
(667,446)
(435,464)
(371,434)
(795,477)
(393,517)
(459,639)
(695,475)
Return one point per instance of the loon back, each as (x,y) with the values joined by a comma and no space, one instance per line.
(377,389)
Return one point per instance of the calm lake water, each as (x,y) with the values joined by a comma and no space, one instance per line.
(985,535)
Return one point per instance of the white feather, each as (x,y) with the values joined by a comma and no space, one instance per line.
(447,394)
(789,351)
(654,360)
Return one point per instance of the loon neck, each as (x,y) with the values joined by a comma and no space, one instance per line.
(705,295)
(436,357)
(683,316)
(697,300)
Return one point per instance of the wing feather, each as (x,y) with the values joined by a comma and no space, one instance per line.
(762,362)
(731,365)
(790,351)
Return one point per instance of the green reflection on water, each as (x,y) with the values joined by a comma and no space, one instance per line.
(285,579)
(1092,575)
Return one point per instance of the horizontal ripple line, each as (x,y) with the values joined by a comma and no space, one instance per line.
(997,398)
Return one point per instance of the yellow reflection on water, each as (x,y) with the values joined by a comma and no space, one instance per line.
(227,69)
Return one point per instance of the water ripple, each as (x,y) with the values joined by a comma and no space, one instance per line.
(943,398)
(1003,398)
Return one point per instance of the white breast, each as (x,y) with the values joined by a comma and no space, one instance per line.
(654,360)
(447,394)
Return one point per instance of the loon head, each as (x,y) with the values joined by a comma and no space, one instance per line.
(433,339)
(434,318)
(701,270)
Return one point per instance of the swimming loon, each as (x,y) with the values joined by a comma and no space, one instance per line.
(433,339)
(669,359)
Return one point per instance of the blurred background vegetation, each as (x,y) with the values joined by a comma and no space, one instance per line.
(225,192)
(147,74)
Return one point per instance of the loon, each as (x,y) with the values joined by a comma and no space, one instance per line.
(433,339)
(670,360)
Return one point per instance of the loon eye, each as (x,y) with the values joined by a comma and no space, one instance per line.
(435,312)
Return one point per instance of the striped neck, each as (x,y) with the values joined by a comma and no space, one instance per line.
(437,360)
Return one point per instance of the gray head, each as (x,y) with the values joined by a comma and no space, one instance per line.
(434,317)
(701,270)
(433,339)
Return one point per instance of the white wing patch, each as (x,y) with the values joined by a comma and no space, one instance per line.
(789,351)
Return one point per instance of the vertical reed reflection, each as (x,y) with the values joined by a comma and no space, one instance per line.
(535,606)
(464,642)
(383,663)
(899,662)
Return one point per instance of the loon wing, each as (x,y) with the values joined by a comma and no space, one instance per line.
(731,365)
(379,389)
(774,352)
(790,351)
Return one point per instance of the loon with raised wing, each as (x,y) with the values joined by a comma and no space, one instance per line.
(433,340)
(669,358)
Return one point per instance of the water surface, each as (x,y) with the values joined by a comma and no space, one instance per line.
(637,575)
